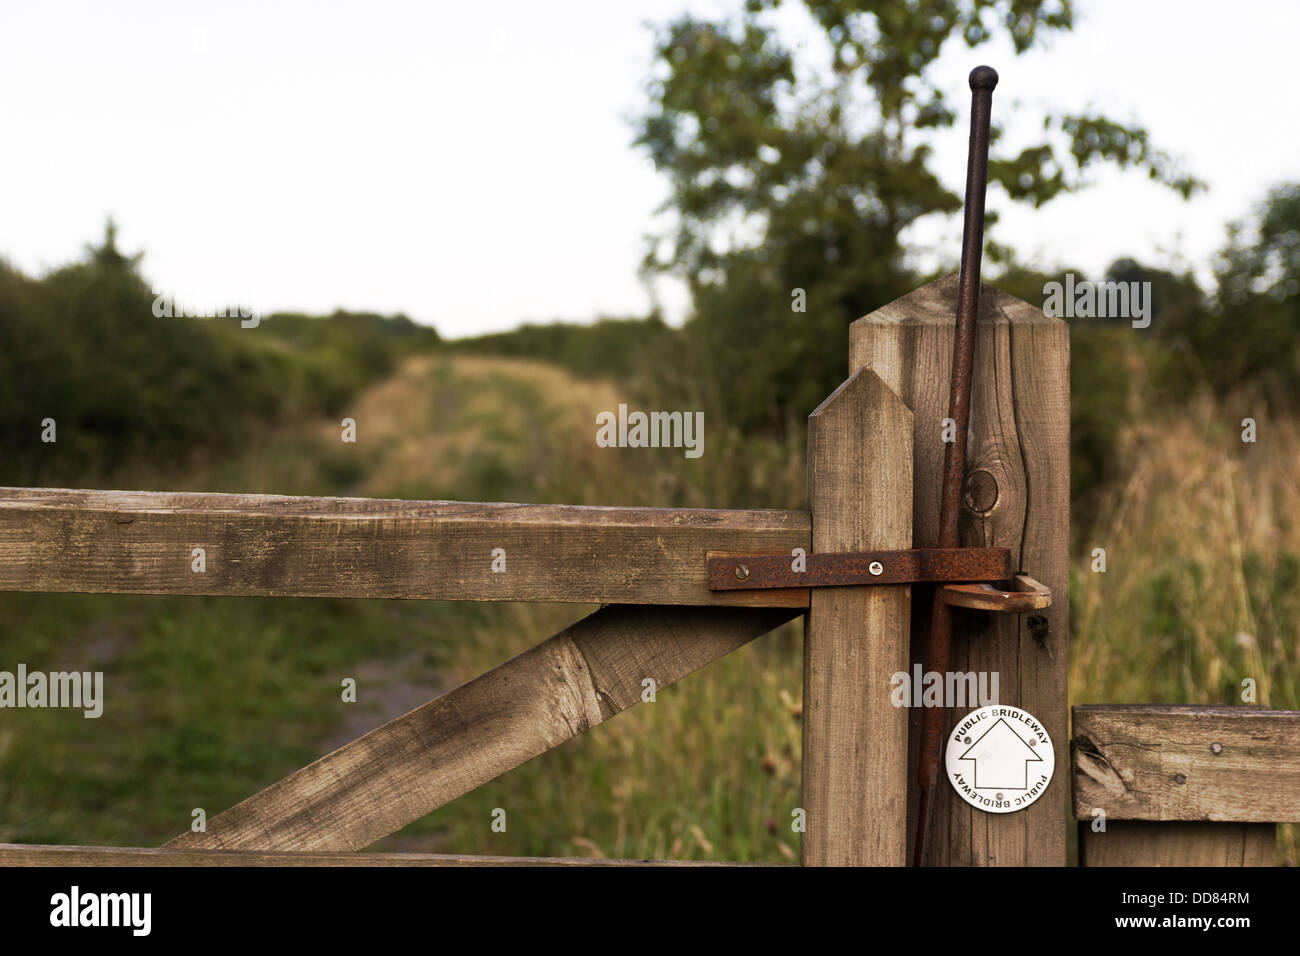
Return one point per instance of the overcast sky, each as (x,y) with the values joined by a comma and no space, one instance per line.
(471,164)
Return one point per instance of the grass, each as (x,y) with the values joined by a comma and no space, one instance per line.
(1202,566)
(210,699)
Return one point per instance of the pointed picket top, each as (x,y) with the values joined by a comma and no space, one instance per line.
(854,772)
(936,302)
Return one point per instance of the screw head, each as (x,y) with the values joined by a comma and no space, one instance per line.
(1033,741)
(1216,748)
(965,740)
(742,571)
(875,567)
(1180,778)
(1000,797)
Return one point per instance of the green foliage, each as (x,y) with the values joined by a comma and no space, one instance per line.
(1242,336)
(83,346)
(341,353)
(609,348)
(206,701)
(1257,306)
(785,176)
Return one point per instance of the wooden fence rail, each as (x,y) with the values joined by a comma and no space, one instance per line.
(142,543)
(22,854)
(1195,786)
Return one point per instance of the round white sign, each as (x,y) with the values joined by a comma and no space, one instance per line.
(1000,758)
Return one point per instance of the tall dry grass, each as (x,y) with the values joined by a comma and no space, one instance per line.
(1202,550)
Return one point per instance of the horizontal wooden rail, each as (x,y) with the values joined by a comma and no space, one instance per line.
(532,703)
(20,854)
(1147,843)
(1161,762)
(144,543)
(1160,785)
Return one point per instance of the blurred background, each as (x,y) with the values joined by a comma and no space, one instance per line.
(472,231)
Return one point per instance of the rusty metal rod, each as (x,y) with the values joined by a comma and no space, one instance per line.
(982,81)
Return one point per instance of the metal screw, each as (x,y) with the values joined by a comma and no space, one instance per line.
(1033,741)
(1216,748)
(966,740)
(742,571)
(1000,796)
(1180,778)
(875,567)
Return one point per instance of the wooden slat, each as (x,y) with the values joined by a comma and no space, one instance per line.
(1018,480)
(532,703)
(856,639)
(141,543)
(20,854)
(1144,843)
(1160,762)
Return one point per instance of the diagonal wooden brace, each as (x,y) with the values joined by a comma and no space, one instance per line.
(528,705)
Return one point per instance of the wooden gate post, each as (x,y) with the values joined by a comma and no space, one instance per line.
(856,638)
(1017,496)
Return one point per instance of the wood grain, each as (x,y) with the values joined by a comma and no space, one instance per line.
(1018,481)
(141,543)
(532,703)
(1143,843)
(19,854)
(856,638)
(1161,762)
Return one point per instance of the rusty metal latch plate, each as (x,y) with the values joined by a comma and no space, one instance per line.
(1026,595)
(747,572)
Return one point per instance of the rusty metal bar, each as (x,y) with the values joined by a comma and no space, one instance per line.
(1026,595)
(982,81)
(744,572)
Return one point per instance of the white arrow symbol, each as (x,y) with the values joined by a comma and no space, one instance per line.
(1001,759)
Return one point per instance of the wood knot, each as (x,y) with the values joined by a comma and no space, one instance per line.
(980,492)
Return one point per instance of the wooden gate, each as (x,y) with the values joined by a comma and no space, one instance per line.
(875,452)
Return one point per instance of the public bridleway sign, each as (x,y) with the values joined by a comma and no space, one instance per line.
(1000,759)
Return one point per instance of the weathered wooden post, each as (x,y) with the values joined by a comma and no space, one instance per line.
(856,638)
(1017,497)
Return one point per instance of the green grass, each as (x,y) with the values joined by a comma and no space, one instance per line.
(205,701)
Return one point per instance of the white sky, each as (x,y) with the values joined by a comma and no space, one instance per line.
(471,165)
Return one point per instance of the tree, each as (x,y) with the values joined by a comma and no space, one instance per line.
(792,172)
(107,256)
(1257,305)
